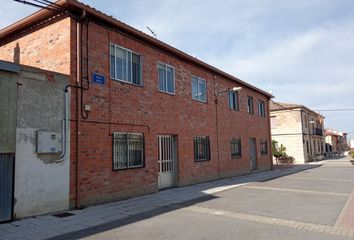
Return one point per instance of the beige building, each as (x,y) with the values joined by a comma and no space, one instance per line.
(299,129)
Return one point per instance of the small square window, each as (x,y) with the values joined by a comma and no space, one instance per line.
(201,148)
(264,146)
(125,65)
(166,76)
(261,108)
(199,89)
(235,147)
(128,150)
(250,105)
(233,100)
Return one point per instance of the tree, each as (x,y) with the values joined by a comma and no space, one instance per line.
(278,151)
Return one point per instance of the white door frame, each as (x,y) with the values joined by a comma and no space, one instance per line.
(167,161)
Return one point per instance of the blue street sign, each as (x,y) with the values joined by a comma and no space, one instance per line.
(98,78)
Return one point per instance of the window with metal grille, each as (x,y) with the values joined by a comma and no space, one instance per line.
(125,65)
(166,75)
(233,100)
(264,146)
(235,147)
(201,148)
(128,150)
(250,105)
(199,89)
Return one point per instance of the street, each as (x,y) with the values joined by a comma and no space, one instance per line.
(310,201)
(312,204)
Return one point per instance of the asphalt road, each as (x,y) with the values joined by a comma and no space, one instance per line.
(312,204)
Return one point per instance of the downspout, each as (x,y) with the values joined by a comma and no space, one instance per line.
(78,105)
(270,138)
(65,128)
(217,125)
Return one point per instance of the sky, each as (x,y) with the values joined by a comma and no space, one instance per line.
(301,51)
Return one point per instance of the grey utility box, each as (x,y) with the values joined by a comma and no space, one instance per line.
(48,142)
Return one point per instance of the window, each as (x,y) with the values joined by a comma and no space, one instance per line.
(306,121)
(273,122)
(201,148)
(250,105)
(264,147)
(235,147)
(307,147)
(261,108)
(125,65)
(128,150)
(166,75)
(233,100)
(199,89)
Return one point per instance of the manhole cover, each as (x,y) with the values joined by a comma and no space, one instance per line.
(63,214)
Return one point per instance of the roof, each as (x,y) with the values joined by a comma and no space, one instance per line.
(9,67)
(76,6)
(279,106)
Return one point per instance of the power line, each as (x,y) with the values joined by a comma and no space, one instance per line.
(336,110)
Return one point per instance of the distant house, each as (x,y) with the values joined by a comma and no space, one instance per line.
(336,142)
(299,129)
(352,144)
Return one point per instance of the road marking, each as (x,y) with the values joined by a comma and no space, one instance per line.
(324,179)
(344,211)
(299,191)
(338,231)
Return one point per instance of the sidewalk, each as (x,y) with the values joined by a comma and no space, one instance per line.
(51,226)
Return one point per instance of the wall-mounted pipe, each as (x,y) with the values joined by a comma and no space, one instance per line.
(65,127)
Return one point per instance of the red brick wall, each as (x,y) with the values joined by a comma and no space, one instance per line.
(157,113)
(46,47)
(118,106)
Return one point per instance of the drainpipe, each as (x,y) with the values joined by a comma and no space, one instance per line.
(65,128)
(217,125)
(270,144)
(78,104)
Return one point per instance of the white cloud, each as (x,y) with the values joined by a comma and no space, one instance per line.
(306,47)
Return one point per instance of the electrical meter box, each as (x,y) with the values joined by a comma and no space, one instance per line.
(48,142)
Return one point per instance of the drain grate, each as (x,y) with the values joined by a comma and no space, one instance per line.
(63,214)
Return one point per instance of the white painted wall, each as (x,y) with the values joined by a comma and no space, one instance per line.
(39,187)
(41,180)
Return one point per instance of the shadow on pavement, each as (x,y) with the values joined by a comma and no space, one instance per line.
(202,193)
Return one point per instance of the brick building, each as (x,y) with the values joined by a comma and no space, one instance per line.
(336,142)
(299,129)
(144,115)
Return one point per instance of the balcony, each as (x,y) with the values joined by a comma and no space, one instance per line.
(318,132)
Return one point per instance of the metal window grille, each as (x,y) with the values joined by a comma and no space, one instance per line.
(128,150)
(201,148)
(264,146)
(235,147)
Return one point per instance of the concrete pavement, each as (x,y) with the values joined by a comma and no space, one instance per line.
(314,202)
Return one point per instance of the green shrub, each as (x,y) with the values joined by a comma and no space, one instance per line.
(351,153)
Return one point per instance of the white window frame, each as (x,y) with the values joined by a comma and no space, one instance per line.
(235,104)
(131,64)
(197,98)
(164,66)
